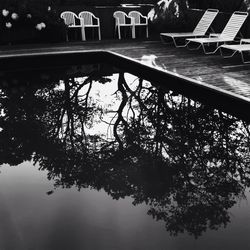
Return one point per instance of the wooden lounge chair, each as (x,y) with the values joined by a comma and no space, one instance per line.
(242,48)
(228,34)
(199,31)
(88,19)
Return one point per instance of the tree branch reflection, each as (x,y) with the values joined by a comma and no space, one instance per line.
(188,162)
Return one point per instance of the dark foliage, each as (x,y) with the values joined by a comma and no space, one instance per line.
(30,21)
(188,162)
(222,5)
(169,16)
(105,2)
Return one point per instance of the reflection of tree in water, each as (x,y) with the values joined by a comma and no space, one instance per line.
(189,163)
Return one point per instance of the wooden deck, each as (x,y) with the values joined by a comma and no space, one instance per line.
(227,75)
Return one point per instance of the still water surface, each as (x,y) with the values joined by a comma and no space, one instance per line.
(92,158)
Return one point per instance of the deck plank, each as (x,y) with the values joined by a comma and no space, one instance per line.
(212,70)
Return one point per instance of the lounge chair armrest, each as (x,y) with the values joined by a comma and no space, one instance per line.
(245,40)
(214,34)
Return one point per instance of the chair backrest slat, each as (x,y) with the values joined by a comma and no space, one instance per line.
(234,25)
(120,16)
(136,15)
(205,21)
(69,18)
(87,17)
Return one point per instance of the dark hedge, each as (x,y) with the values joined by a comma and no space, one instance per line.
(105,2)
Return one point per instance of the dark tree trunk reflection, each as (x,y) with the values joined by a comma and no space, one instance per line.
(188,162)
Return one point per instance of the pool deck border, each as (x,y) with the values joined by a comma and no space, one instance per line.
(232,103)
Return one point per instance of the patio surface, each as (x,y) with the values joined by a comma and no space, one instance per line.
(227,75)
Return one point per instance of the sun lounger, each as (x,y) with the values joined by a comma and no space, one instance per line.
(245,40)
(228,34)
(199,31)
(242,49)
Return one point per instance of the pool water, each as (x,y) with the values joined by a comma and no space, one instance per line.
(96,158)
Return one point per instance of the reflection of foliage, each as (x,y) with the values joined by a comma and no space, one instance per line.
(204,151)
(188,162)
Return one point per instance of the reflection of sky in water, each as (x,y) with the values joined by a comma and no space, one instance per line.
(68,219)
(35,215)
(106,97)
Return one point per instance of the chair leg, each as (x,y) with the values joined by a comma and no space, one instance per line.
(76,34)
(179,45)
(243,59)
(133,31)
(196,48)
(209,52)
(147,31)
(119,32)
(83,34)
(99,33)
(163,40)
(227,56)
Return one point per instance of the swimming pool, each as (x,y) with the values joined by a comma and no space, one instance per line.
(94,157)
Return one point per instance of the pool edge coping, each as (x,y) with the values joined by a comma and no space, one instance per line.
(112,57)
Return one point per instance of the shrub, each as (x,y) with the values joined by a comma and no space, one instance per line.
(222,5)
(105,2)
(30,21)
(168,16)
